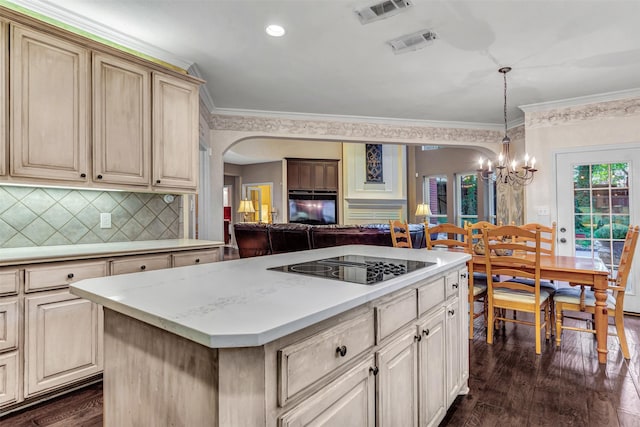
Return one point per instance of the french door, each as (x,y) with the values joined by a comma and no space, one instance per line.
(597,197)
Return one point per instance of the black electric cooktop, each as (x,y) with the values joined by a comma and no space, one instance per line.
(361,269)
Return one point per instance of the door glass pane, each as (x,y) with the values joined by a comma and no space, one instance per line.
(581,176)
(468,198)
(601,209)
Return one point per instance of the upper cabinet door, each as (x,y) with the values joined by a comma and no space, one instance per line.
(175,133)
(49,93)
(121,121)
(3,98)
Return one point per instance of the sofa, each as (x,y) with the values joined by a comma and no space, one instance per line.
(255,239)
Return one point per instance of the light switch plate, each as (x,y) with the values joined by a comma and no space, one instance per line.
(105,220)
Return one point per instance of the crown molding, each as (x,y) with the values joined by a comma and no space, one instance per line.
(581,100)
(57,13)
(355,119)
(205,95)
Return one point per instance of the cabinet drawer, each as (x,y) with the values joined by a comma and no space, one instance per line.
(8,325)
(430,295)
(392,314)
(452,283)
(9,280)
(8,378)
(61,274)
(140,263)
(182,259)
(305,362)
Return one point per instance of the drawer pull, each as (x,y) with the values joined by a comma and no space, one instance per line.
(157,181)
(463,275)
(143,267)
(452,312)
(425,332)
(417,338)
(454,286)
(197,260)
(83,175)
(342,350)
(374,370)
(70,276)
(99,177)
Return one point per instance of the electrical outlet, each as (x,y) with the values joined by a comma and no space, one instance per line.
(543,211)
(105,220)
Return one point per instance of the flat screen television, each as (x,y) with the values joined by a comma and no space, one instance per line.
(312,212)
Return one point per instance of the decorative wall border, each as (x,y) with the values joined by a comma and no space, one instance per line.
(560,116)
(353,130)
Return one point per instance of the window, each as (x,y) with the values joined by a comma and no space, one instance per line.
(467,198)
(434,193)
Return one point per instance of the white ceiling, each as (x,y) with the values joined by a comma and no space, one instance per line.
(328,63)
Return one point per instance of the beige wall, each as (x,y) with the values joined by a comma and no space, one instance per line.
(561,130)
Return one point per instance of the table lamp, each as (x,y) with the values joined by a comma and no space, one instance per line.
(246,207)
(424,210)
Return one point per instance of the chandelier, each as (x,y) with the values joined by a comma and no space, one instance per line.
(507,170)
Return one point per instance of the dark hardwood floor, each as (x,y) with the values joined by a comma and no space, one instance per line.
(509,385)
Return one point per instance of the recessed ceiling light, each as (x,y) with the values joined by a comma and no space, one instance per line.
(275,30)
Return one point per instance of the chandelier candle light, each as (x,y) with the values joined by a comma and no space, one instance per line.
(506,170)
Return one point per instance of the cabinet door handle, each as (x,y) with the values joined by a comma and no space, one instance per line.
(463,275)
(374,370)
(70,276)
(454,286)
(197,260)
(143,267)
(417,338)
(425,332)
(452,312)
(342,350)
(157,181)
(99,177)
(83,175)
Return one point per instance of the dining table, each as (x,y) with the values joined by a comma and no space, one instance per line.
(577,271)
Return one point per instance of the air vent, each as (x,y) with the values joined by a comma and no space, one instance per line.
(411,42)
(382,10)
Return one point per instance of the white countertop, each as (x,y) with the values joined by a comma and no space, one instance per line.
(9,256)
(240,303)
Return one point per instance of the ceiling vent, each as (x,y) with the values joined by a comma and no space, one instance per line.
(413,41)
(382,10)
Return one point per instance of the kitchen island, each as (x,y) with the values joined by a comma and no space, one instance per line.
(237,344)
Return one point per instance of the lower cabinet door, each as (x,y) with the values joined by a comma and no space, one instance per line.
(454,349)
(348,401)
(63,340)
(8,378)
(397,395)
(432,360)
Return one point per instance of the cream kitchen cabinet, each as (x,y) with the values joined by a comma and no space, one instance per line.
(63,340)
(175,133)
(348,401)
(137,264)
(398,379)
(121,121)
(50,104)
(185,258)
(432,357)
(9,378)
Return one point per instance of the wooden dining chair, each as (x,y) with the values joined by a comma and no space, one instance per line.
(400,236)
(520,260)
(579,299)
(547,237)
(449,236)
(477,281)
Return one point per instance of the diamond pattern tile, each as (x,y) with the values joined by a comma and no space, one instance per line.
(52,216)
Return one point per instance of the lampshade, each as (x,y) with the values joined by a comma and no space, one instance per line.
(246,206)
(423,209)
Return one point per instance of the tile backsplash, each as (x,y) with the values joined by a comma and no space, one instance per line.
(51,216)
